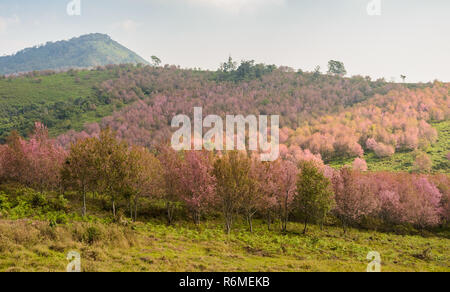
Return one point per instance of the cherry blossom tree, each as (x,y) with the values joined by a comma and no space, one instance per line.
(252,200)
(422,163)
(171,186)
(281,184)
(36,162)
(197,182)
(359,164)
(421,206)
(355,197)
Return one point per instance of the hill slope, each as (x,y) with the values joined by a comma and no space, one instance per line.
(63,101)
(86,51)
(388,130)
(326,114)
(59,100)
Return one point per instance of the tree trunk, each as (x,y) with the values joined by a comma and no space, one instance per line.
(130,208)
(84,202)
(285,220)
(114,208)
(306,225)
(285,213)
(170,212)
(135,208)
(250,223)
(268,221)
(196,216)
(228,222)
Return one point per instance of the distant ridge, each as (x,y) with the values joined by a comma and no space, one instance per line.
(82,52)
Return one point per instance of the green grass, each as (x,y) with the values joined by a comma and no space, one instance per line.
(440,150)
(34,246)
(403,161)
(62,101)
(32,238)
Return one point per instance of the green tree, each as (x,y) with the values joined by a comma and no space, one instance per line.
(228,66)
(79,170)
(316,73)
(314,197)
(144,177)
(111,161)
(232,175)
(156,61)
(336,68)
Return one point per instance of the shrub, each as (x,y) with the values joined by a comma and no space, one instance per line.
(92,235)
(423,163)
(38,200)
(59,204)
(405,229)
(4,202)
(57,219)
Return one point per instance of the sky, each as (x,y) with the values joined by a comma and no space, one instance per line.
(397,37)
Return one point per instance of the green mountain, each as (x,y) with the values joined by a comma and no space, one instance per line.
(86,51)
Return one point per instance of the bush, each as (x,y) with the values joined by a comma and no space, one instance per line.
(404,229)
(20,202)
(38,200)
(372,223)
(58,219)
(92,235)
(60,204)
(4,202)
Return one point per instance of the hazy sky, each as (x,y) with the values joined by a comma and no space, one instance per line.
(410,37)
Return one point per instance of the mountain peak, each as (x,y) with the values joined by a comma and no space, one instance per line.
(93,36)
(88,50)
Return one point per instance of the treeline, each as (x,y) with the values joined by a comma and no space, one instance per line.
(246,71)
(230,183)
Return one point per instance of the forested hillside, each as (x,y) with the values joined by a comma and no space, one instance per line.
(161,93)
(62,101)
(83,52)
(337,118)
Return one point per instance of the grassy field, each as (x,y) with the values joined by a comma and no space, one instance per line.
(403,161)
(37,232)
(27,245)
